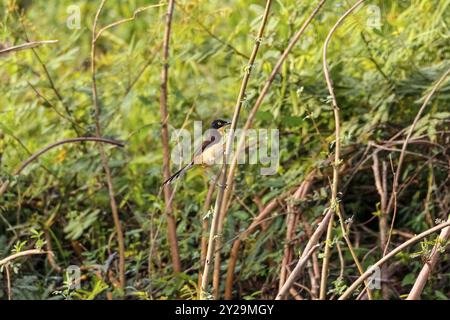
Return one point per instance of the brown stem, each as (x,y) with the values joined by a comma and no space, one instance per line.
(27,45)
(311,243)
(36,155)
(204,241)
(229,181)
(397,174)
(337,159)
(214,235)
(163,104)
(8,282)
(21,254)
(104,158)
(291,222)
(428,267)
(391,254)
(272,205)
(293,41)
(381,186)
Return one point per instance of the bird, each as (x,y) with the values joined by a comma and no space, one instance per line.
(209,152)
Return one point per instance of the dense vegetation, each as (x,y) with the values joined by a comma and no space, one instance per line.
(382,68)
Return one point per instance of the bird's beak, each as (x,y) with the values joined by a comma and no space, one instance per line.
(227,123)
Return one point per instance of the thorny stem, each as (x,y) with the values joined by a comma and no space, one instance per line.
(391,254)
(171,223)
(219,200)
(392,199)
(103,157)
(51,146)
(293,41)
(337,159)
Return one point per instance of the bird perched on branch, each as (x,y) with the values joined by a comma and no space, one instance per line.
(210,152)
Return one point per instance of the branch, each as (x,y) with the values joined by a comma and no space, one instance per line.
(422,278)
(269,208)
(205,28)
(334,190)
(229,180)
(103,157)
(229,143)
(291,223)
(27,45)
(391,254)
(171,223)
(114,24)
(36,155)
(300,264)
(403,151)
(293,41)
(21,254)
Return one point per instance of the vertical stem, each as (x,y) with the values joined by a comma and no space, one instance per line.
(171,223)
(8,282)
(326,259)
(312,243)
(220,193)
(393,198)
(337,158)
(293,41)
(204,239)
(104,159)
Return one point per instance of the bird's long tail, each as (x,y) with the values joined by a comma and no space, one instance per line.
(177,174)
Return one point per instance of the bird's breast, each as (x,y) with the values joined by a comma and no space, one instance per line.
(211,155)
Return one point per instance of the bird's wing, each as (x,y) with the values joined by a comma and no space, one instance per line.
(212,139)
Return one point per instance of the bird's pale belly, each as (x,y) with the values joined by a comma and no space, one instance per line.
(211,156)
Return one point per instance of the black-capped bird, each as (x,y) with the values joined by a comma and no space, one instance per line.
(210,152)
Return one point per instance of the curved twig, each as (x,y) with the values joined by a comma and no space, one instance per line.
(28,45)
(36,155)
(21,254)
(213,235)
(422,278)
(403,151)
(299,266)
(135,13)
(334,189)
(58,143)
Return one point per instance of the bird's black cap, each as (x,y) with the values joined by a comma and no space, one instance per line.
(216,124)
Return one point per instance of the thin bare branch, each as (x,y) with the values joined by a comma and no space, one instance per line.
(403,151)
(240,146)
(103,156)
(163,106)
(213,235)
(36,155)
(428,267)
(27,45)
(21,254)
(337,159)
(301,262)
(117,23)
(391,254)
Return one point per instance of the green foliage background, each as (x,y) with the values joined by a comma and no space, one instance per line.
(380,76)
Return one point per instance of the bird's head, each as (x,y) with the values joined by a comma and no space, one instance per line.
(217,124)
